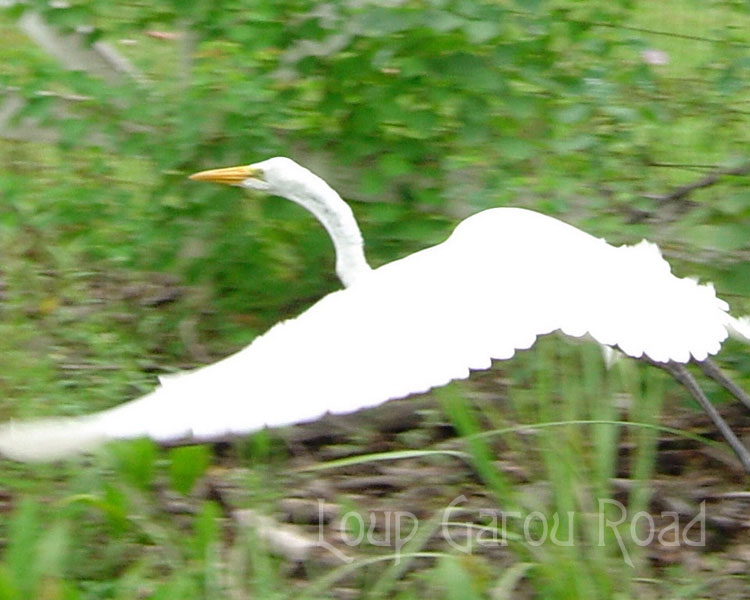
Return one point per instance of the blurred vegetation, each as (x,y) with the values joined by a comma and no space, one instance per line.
(115,267)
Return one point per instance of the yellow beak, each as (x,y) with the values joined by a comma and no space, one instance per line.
(228,175)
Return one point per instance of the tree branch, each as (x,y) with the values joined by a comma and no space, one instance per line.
(678,199)
(708,180)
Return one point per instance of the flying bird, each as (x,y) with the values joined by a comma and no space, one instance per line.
(504,277)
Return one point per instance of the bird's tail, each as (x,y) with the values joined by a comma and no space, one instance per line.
(44,440)
(160,415)
(50,439)
(739,328)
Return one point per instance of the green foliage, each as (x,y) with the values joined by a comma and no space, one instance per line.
(431,104)
(35,557)
(417,111)
(135,461)
(576,433)
(187,465)
(456,581)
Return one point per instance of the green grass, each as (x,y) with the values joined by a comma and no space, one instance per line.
(107,516)
(86,238)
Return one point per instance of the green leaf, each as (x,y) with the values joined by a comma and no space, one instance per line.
(393,165)
(470,71)
(725,237)
(371,183)
(735,280)
(582,141)
(479,32)
(443,21)
(456,582)
(382,21)
(53,550)
(20,554)
(206,529)
(8,588)
(621,113)
(573,113)
(116,507)
(187,465)
(515,148)
(733,202)
(136,461)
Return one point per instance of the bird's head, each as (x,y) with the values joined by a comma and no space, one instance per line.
(283,177)
(279,175)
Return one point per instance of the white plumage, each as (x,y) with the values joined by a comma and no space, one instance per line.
(504,277)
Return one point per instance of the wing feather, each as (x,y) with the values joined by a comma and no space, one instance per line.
(505,277)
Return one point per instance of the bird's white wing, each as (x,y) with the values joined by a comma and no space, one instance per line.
(503,278)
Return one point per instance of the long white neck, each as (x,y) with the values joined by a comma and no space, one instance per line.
(338,219)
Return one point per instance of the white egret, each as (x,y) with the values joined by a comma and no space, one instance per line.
(504,277)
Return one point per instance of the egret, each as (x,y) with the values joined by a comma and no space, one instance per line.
(504,277)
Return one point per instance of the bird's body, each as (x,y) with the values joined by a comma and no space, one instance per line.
(504,277)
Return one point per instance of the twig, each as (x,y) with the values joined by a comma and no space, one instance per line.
(682,375)
(712,370)
(705,182)
(689,166)
(678,197)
